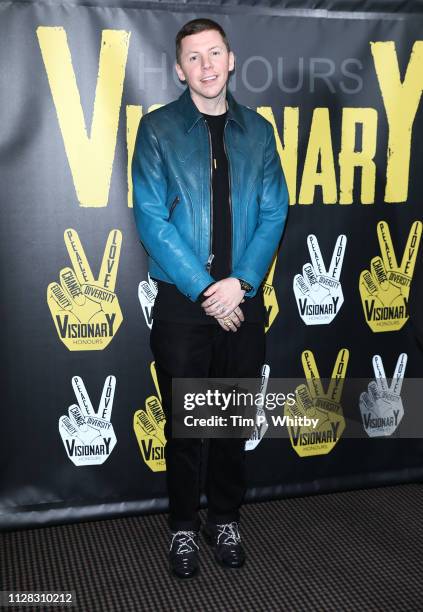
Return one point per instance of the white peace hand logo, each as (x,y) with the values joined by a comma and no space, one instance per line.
(88,436)
(147,291)
(318,291)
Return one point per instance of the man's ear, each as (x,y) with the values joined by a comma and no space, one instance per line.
(179,72)
(231,61)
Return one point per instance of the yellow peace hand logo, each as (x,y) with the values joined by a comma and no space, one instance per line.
(270,299)
(149,428)
(385,288)
(322,409)
(86,311)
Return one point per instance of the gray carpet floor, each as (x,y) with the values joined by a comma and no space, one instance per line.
(351,551)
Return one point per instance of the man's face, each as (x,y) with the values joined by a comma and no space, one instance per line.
(205,65)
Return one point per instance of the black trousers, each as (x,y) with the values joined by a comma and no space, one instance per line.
(199,351)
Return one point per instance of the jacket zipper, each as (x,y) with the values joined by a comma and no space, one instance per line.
(209,262)
(211,255)
(230,197)
(173,206)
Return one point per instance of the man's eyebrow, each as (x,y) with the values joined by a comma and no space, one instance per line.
(214,47)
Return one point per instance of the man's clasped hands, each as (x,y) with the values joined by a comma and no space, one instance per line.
(223,300)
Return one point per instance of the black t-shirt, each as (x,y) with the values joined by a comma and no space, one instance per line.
(170,303)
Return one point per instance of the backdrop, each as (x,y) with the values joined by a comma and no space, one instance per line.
(82,428)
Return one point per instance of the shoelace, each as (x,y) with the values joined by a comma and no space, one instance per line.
(185,540)
(231,533)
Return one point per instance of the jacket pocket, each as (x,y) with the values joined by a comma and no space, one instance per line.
(173,206)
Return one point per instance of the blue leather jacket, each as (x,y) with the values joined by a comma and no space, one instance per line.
(171,171)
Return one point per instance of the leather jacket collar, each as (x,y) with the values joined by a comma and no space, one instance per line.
(191,113)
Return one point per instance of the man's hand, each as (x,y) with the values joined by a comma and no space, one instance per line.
(223,297)
(232,321)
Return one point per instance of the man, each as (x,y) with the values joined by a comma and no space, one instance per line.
(210,203)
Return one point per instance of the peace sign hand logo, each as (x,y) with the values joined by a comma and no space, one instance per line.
(88,436)
(385,288)
(269,295)
(147,292)
(314,402)
(149,426)
(86,310)
(318,291)
(381,406)
(261,424)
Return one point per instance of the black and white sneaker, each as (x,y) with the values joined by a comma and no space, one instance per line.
(226,541)
(183,554)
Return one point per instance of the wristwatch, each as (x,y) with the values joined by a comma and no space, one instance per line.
(245,286)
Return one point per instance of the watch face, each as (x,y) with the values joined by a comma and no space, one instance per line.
(244,285)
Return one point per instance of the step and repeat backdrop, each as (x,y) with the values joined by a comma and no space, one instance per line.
(82,422)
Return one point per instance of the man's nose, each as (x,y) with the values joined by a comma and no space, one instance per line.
(205,62)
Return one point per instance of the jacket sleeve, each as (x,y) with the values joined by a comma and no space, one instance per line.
(258,256)
(161,238)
